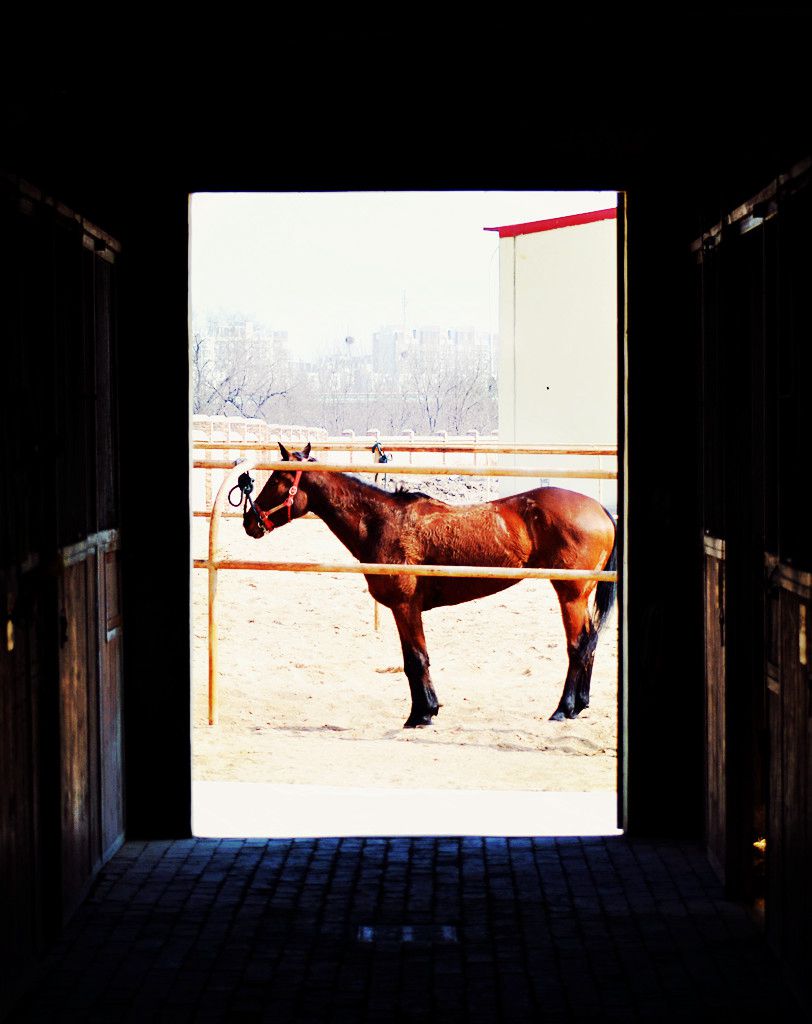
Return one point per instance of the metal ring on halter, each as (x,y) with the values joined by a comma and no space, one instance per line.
(244,484)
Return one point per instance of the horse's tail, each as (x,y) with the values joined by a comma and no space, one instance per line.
(606,592)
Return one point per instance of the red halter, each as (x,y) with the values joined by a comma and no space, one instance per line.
(264,517)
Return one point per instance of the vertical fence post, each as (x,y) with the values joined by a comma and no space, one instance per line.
(351,435)
(209,431)
(213,637)
(213,646)
(600,483)
(229,479)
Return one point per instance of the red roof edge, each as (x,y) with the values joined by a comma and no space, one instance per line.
(511,230)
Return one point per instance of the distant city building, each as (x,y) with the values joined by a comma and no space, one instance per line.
(225,343)
(481,346)
(387,346)
(229,341)
(430,339)
(393,346)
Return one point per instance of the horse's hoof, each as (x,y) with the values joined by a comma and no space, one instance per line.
(561,714)
(419,721)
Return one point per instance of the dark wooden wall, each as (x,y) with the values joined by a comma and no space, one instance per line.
(753,274)
(61,751)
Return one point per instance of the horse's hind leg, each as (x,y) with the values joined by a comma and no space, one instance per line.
(584,679)
(581,640)
(425,705)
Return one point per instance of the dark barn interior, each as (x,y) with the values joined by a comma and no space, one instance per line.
(710,146)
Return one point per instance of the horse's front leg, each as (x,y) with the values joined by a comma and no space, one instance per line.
(425,705)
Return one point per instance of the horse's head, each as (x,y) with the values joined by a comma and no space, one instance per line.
(281,499)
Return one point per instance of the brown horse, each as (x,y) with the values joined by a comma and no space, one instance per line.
(548,527)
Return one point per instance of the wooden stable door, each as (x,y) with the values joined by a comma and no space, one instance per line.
(716,824)
(92,816)
(789,844)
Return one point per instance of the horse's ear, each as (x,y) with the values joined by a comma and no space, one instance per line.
(306,450)
(285,452)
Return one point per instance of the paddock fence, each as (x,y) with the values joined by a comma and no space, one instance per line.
(480,457)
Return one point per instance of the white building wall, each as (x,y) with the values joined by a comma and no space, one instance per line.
(558,348)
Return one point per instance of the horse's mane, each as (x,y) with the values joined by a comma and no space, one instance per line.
(405,496)
(400,494)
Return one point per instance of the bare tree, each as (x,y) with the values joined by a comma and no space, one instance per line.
(200,366)
(233,382)
(391,411)
(451,391)
(441,386)
(427,379)
(471,403)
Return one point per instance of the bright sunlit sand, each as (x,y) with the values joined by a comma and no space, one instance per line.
(229,809)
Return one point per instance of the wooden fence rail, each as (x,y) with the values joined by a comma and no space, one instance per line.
(478,448)
(225,441)
(490,572)
(549,473)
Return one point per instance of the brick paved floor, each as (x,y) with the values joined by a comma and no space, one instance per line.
(356,930)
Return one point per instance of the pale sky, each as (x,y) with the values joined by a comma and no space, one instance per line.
(325,265)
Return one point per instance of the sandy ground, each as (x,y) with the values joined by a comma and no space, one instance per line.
(311,694)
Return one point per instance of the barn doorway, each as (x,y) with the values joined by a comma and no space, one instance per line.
(355,319)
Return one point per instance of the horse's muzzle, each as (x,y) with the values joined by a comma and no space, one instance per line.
(252,525)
